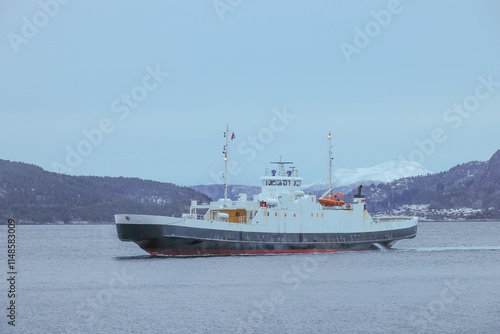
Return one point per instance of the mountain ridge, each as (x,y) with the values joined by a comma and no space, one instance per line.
(474,185)
(30,194)
(471,188)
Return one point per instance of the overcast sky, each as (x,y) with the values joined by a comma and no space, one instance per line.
(145,88)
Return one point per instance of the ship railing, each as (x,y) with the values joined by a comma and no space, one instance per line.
(390,219)
(192,216)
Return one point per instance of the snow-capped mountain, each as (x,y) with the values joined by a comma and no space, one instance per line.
(466,191)
(344,180)
(384,172)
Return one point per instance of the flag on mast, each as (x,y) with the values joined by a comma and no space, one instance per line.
(233,136)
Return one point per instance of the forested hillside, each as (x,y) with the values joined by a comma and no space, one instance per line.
(474,185)
(30,194)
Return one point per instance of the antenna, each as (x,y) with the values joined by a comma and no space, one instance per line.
(330,159)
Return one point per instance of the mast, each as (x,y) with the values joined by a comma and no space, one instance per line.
(330,160)
(330,189)
(226,154)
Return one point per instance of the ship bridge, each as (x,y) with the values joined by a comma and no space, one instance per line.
(280,181)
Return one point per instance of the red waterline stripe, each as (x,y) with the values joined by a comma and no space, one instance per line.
(243,252)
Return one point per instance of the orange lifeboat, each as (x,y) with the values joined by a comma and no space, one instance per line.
(336,199)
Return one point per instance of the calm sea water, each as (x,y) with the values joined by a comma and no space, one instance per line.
(82,279)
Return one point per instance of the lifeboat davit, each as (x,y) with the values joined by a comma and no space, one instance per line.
(336,199)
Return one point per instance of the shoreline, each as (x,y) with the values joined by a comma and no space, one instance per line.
(79,223)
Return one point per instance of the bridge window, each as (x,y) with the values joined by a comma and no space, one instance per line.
(278,182)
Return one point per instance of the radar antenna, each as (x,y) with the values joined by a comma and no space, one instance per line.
(282,165)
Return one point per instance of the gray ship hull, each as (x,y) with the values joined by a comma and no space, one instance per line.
(174,240)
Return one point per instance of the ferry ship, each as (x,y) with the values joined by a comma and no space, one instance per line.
(281,219)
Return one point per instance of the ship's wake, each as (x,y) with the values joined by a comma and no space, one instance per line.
(379,246)
(449,248)
(133,257)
